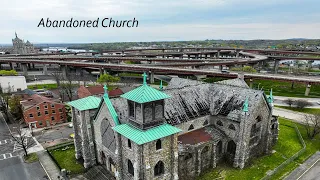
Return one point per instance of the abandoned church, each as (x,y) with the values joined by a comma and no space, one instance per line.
(175,132)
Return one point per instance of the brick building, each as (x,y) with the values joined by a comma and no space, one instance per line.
(98,91)
(40,111)
(174,133)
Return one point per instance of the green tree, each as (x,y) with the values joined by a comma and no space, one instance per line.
(14,104)
(108,79)
(8,73)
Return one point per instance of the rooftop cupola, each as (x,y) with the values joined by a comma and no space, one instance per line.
(146,105)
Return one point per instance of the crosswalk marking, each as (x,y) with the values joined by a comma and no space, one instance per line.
(6,141)
(7,156)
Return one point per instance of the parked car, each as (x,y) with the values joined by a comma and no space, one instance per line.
(70,125)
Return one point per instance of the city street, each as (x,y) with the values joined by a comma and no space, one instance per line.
(12,166)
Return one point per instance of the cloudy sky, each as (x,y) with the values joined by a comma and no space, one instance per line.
(165,20)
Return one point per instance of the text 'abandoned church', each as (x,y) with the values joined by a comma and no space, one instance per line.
(175,132)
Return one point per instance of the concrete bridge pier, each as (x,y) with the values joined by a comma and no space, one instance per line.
(64,69)
(45,69)
(151,77)
(32,65)
(237,53)
(276,66)
(101,71)
(188,56)
(307,90)
(11,66)
(251,83)
(220,67)
(29,66)
(218,54)
(24,68)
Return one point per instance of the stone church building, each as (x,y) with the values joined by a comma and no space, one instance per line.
(174,133)
(21,47)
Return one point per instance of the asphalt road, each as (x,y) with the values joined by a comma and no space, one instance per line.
(12,166)
(15,169)
(313,173)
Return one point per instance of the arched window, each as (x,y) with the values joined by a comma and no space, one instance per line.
(205,150)
(205,122)
(253,130)
(130,168)
(158,144)
(219,147)
(231,126)
(219,123)
(188,156)
(159,169)
(190,127)
(231,147)
(129,143)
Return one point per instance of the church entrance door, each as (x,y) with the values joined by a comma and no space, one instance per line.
(113,168)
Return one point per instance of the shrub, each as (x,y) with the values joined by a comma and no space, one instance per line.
(302,103)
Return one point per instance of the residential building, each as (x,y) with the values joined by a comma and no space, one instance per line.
(40,111)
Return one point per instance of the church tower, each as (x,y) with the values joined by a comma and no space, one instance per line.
(150,149)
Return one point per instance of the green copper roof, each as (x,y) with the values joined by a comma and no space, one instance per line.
(90,102)
(145,94)
(141,137)
(111,109)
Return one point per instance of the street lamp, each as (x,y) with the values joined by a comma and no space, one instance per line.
(258,85)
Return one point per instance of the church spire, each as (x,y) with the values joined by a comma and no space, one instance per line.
(270,98)
(161,87)
(144,78)
(246,105)
(105,90)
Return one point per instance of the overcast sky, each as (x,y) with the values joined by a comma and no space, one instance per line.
(165,20)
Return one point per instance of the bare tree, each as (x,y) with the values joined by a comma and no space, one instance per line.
(21,137)
(312,124)
(57,75)
(302,103)
(67,86)
(289,102)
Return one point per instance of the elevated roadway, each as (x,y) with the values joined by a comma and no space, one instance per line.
(161,70)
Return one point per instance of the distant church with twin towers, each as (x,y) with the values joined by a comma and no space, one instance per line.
(21,47)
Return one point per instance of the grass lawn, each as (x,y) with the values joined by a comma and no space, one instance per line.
(43,86)
(32,157)
(284,88)
(312,146)
(67,160)
(288,144)
(304,110)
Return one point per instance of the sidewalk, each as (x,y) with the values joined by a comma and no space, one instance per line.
(48,165)
(297,98)
(292,115)
(303,168)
